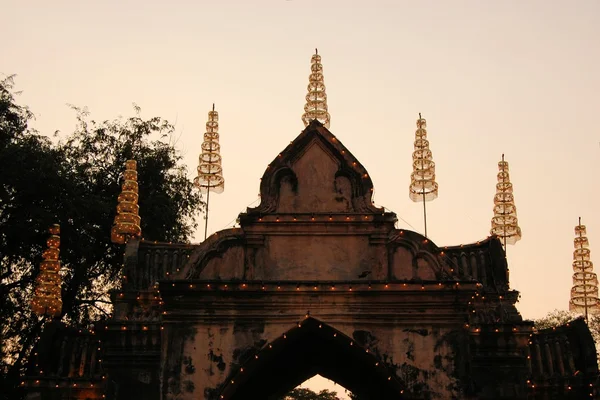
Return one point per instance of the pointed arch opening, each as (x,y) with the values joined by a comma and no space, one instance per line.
(313,348)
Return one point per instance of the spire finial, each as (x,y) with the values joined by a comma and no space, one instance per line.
(505,224)
(316,99)
(213,107)
(316,51)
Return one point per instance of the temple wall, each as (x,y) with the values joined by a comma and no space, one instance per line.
(421,355)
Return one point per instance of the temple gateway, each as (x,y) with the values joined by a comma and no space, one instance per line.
(315,280)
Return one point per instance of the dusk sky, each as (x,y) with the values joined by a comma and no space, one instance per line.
(515,77)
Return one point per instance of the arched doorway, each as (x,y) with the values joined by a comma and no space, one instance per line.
(310,348)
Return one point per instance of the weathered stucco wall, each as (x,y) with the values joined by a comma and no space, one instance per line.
(318,190)
(228,330)
(227,265)
(420,356)
(327,256)
(316,257)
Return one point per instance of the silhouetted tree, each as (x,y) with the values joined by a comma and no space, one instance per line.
(307,394)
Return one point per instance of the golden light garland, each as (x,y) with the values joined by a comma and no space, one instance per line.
(584,294)
(47,296)
(505,224)
(127,221)
(303,324)
(210,171)
(316,99)
(423,186)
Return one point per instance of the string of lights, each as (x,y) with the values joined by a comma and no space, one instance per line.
(47,297)
(127,221)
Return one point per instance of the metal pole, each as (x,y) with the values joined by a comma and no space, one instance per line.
(206,215)
(424,209)
(504,222)
(316,94)
(423,178)
(585,306)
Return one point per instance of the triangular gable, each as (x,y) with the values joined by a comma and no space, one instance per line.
(316,174)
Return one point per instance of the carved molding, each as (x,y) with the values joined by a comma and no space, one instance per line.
(214,246)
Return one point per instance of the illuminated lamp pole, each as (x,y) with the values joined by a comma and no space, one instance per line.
(505,223)
(423,186)
(316,98)
(47,296)
(584,294)
(210,171)
(127,221)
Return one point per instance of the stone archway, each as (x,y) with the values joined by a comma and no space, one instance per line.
(310,348)
(421,311)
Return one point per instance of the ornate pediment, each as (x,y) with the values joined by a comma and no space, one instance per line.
(316,174)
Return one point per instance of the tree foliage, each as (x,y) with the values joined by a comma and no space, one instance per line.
(355,396)
(307,394)
(555,318)
(75,182)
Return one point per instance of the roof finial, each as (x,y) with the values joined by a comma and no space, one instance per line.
(316,99)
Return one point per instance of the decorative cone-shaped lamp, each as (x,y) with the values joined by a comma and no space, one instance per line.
(505,224)
(423,186)
(316,99)
(47,296)
(127,221)
(210,171)
(584,294)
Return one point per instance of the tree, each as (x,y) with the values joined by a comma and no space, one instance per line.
(555,318)
(307,394)
(355,396)
(75,183)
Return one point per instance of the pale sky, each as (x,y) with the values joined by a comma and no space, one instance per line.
(491,77)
